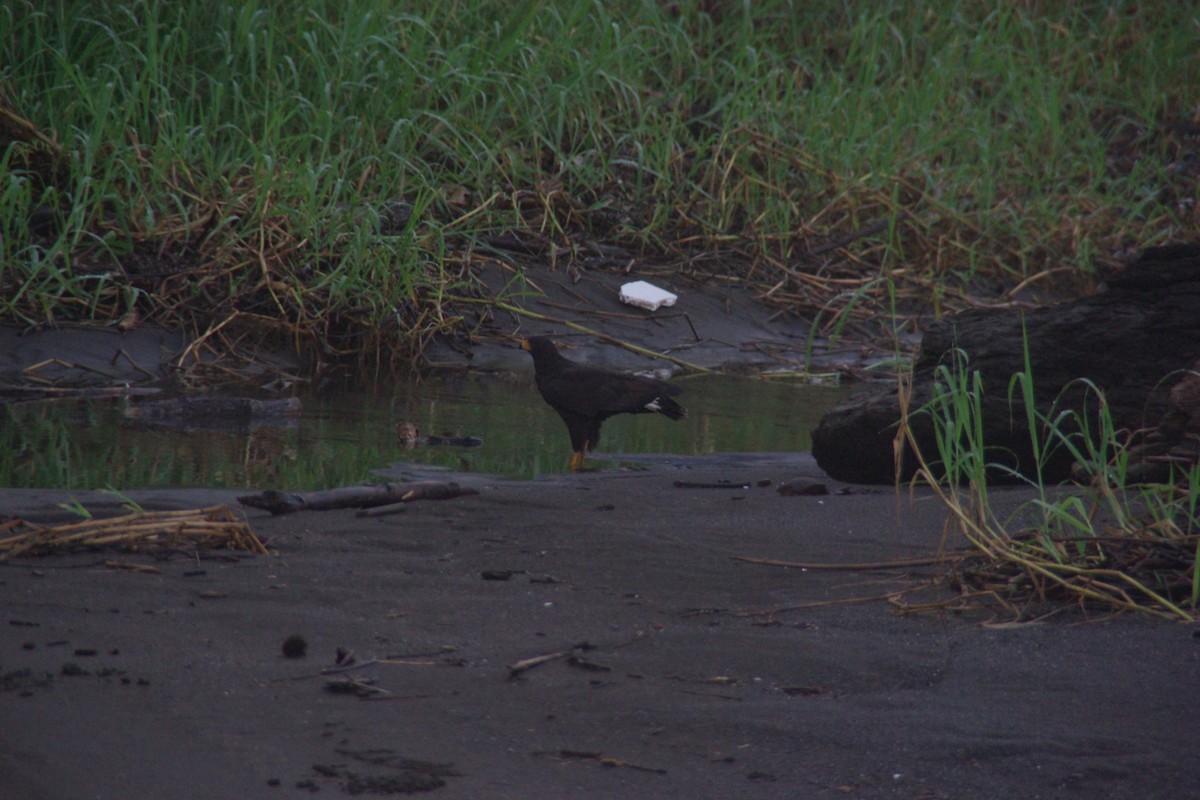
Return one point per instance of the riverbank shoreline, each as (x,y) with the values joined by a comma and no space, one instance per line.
(674,668)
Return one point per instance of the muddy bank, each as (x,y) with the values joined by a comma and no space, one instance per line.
(679,671)
(709,326)
(714,325)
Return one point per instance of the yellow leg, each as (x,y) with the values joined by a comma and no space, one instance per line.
(577,461)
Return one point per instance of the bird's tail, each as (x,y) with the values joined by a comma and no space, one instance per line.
(667,407)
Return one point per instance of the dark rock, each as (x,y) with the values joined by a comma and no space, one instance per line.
(1131,339)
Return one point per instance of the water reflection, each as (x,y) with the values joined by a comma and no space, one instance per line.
(341,437)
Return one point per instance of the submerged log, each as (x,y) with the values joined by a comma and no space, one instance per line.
(1132,339)
(355,496)
(192,407)
(214,412)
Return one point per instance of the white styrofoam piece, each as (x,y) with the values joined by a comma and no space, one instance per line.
(646,295)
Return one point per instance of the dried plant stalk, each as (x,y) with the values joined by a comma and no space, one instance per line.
(213,527)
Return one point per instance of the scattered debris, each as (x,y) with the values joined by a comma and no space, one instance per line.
(394,773)
(587,664)
(803,487)
(25,681)
(498,574)
(358,687)
(295,646)
(516,668)
(608,761)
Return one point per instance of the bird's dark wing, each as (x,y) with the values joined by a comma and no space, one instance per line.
(599,394)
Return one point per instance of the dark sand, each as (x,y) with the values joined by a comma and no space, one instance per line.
(682,695)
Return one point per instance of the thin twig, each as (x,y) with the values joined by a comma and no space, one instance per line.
(866,565)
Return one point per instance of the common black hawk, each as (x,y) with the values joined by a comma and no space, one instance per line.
(586,396)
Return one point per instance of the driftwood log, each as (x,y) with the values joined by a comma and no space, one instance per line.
(367,496)
(1135,338)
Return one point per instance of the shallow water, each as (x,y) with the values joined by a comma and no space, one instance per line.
(341,437)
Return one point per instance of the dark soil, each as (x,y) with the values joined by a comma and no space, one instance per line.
(678,671)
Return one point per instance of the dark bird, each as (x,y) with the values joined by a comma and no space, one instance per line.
(586,396)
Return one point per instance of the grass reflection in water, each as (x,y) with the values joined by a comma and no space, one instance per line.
(340,438)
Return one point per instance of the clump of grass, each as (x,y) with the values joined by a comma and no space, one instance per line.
(1107,545)
(324,172)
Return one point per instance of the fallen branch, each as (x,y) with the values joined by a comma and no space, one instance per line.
(367,496)
(128,567)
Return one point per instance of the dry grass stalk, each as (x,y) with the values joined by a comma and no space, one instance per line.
(193,529)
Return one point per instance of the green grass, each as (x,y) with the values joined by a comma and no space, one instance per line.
(324,172)
(1112,545)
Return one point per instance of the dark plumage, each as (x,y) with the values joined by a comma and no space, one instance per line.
(586,396)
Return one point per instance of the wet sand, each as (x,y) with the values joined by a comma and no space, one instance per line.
(686,673)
